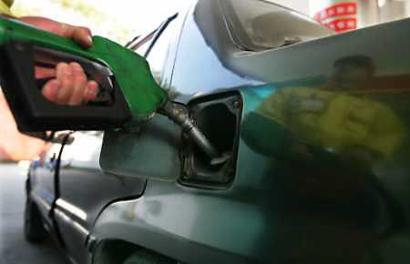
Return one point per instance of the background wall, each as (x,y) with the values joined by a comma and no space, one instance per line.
(298,5)
(370,11)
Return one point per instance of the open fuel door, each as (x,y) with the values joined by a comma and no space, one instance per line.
(160,149)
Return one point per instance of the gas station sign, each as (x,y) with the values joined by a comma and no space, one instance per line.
(340,16)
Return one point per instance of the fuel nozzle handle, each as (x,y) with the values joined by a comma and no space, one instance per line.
(179,114)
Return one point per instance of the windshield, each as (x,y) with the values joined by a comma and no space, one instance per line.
(259,25)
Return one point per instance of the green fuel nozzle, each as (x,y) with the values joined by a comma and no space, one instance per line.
(130,70)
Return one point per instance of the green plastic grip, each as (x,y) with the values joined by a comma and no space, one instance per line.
(131,71)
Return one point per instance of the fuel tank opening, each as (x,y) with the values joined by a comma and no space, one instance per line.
(218,118)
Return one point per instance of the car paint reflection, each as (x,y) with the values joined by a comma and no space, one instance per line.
(324,147)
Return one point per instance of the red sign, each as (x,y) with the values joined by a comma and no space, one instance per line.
(342,24)
(340,17)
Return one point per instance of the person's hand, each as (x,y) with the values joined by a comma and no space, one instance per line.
(82,35)
(69,84)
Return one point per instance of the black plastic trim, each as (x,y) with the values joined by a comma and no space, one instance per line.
(34,113)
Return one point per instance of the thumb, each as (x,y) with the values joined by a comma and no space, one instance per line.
(81,35)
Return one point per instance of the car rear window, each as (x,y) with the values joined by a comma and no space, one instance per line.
(259,25)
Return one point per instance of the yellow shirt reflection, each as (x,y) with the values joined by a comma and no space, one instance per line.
(335,120)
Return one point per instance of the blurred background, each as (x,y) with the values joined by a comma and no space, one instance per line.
(122,20)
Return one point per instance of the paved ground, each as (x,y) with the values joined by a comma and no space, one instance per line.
(13,248)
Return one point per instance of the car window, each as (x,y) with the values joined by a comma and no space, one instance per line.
(199,67)
(258,25)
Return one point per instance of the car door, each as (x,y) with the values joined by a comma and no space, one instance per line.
(84,190)
(42,183)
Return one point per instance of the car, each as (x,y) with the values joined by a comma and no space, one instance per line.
(313,128)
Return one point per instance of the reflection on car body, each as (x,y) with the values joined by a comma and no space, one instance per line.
(324,143)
